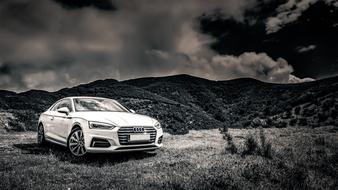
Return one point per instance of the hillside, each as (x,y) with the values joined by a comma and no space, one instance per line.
(184,102)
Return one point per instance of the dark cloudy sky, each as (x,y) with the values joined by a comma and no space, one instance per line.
(51,44)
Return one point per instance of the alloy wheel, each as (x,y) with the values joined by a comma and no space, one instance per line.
(41,135)
(76,143)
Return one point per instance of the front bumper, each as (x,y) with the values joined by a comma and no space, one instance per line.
(109,141)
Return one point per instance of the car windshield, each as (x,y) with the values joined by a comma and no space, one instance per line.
(98,104)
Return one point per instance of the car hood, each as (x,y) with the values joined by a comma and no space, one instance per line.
(116,118)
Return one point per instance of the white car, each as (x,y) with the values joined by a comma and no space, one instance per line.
(97,125)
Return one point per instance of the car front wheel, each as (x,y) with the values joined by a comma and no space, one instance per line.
(41,135)
(76,143)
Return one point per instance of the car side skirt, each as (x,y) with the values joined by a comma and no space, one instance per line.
(56,141)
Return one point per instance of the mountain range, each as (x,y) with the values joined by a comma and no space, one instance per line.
(184,102)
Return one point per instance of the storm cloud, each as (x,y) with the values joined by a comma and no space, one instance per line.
(290,12)
(53,44)
(249,64)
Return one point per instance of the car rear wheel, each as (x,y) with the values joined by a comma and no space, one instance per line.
(76,143)
(41,135)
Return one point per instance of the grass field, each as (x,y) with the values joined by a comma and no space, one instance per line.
(301,159)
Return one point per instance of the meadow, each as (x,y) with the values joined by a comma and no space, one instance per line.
(301,158)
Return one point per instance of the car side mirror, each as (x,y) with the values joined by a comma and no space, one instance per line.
(64,110)
(132,111)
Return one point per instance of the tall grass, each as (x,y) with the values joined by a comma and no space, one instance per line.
(258,145)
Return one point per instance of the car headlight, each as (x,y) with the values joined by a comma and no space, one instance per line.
(100,125)
(158,125)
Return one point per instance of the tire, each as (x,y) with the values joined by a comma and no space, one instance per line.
(40,138)
(76,144)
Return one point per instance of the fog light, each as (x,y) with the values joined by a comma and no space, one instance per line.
(159,141)
(100,143)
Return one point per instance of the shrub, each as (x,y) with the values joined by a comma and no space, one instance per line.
(297,110)
(219,116)
(266,111)
(246,123)
(224,130)
(267,151)
(266,147)
(232,148)
(302,121)
(308,112)
(293,122)
(313,122)
(15,125)
(281,124)
(257,122)
(323,115)
(259,147)
(327,104)
(269,122)
(286,114)
(251,145)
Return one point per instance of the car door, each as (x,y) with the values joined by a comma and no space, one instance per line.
(59,122)
(49,122)
(62,121)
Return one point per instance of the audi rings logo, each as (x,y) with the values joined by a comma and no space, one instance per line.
(138,129)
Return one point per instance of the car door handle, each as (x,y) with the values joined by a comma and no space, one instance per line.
(51,117)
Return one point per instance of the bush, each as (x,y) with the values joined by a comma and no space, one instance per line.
(269,122)
(293,122)
(297,110)
(15,125)
(232,148)
(246,123)
(267,151)
(323,116)
(251,145)
(266,111)
(286,114)
(257,122)
(220,116)
(327,104)
(224,130)
(302,121)
(254,147)
(281,124)
(308,112)
(266,147)
(313,122)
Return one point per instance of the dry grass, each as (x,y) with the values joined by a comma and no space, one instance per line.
(302,158)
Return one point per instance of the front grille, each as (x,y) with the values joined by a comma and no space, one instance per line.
(125,132)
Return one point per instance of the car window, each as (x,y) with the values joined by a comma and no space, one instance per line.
(55,106)
(98,104)
(63,103)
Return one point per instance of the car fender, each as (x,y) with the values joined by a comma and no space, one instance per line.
(82,123)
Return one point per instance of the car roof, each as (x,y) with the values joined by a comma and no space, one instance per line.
(72,97)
